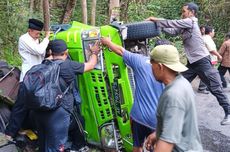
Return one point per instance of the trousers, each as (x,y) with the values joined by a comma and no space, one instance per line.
(211,77)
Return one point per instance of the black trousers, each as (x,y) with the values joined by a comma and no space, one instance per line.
(202,86)
(52,129)
(211,77)
(222,70)
(19,113)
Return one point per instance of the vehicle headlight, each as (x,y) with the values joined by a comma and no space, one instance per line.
(85,34)
(107,136)
(124,30)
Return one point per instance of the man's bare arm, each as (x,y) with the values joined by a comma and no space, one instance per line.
(93,58)
(114,47)
(162,146)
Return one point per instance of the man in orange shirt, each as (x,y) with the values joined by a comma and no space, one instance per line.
(225,64)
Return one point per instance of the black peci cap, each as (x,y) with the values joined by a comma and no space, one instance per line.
(193,7)
(58,46)
(35,24)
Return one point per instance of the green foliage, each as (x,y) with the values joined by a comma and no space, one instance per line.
(102,12)
(139,11)
(14,15)
(216,13)
(11,57)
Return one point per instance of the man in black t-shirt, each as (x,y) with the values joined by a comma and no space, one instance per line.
(53,125)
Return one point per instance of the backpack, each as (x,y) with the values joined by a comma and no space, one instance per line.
(42,86)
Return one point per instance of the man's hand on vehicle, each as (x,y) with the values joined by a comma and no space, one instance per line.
(150,141)
(47,34)
(152,18)
(106,41)
(95,49)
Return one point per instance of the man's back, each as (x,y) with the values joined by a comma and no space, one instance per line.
(225,52)
(190,32)
(68,71)
(176,115)
(147,91)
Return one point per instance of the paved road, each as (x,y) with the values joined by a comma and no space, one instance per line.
(215,138)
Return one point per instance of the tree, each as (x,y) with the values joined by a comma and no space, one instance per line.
(124,10)
(68,11)
(84,11)
(53,3)
(31,7)
(114,7)
(46,14)
(93,12)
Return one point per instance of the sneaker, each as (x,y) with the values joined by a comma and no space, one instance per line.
(226,120)
(203,91)
(84,149)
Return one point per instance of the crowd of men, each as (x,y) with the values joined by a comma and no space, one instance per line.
(164,108)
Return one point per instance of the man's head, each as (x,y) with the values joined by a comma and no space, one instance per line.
(162,42)
(209,31)
(48,50)
(35,27)
(189,10)
(227,36)
(202,29)
(165,58)
(59,48)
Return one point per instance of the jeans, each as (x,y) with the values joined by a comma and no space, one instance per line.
(211,77)
(52,129)
(222,70)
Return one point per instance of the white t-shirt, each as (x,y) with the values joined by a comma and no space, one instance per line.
(211,46)
(32,52)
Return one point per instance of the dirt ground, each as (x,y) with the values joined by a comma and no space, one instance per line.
(215,137)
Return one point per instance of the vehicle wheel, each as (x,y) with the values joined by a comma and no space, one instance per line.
(142,30)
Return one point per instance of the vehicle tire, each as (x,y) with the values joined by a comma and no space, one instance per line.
(142,30)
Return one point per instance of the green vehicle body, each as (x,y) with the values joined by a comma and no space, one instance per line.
(107,94)
(97,107)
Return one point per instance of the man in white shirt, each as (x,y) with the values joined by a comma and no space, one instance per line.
(215,56)
(210,44)
(32,53)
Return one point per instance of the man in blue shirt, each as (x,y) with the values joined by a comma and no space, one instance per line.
(147,93)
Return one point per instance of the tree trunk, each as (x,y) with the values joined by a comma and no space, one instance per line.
(93,12)
(31,7)
(114,7)
(68,11)
(53,3)
(46,15)
(124,10)
(41,4)
(84,11)
(36,5)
